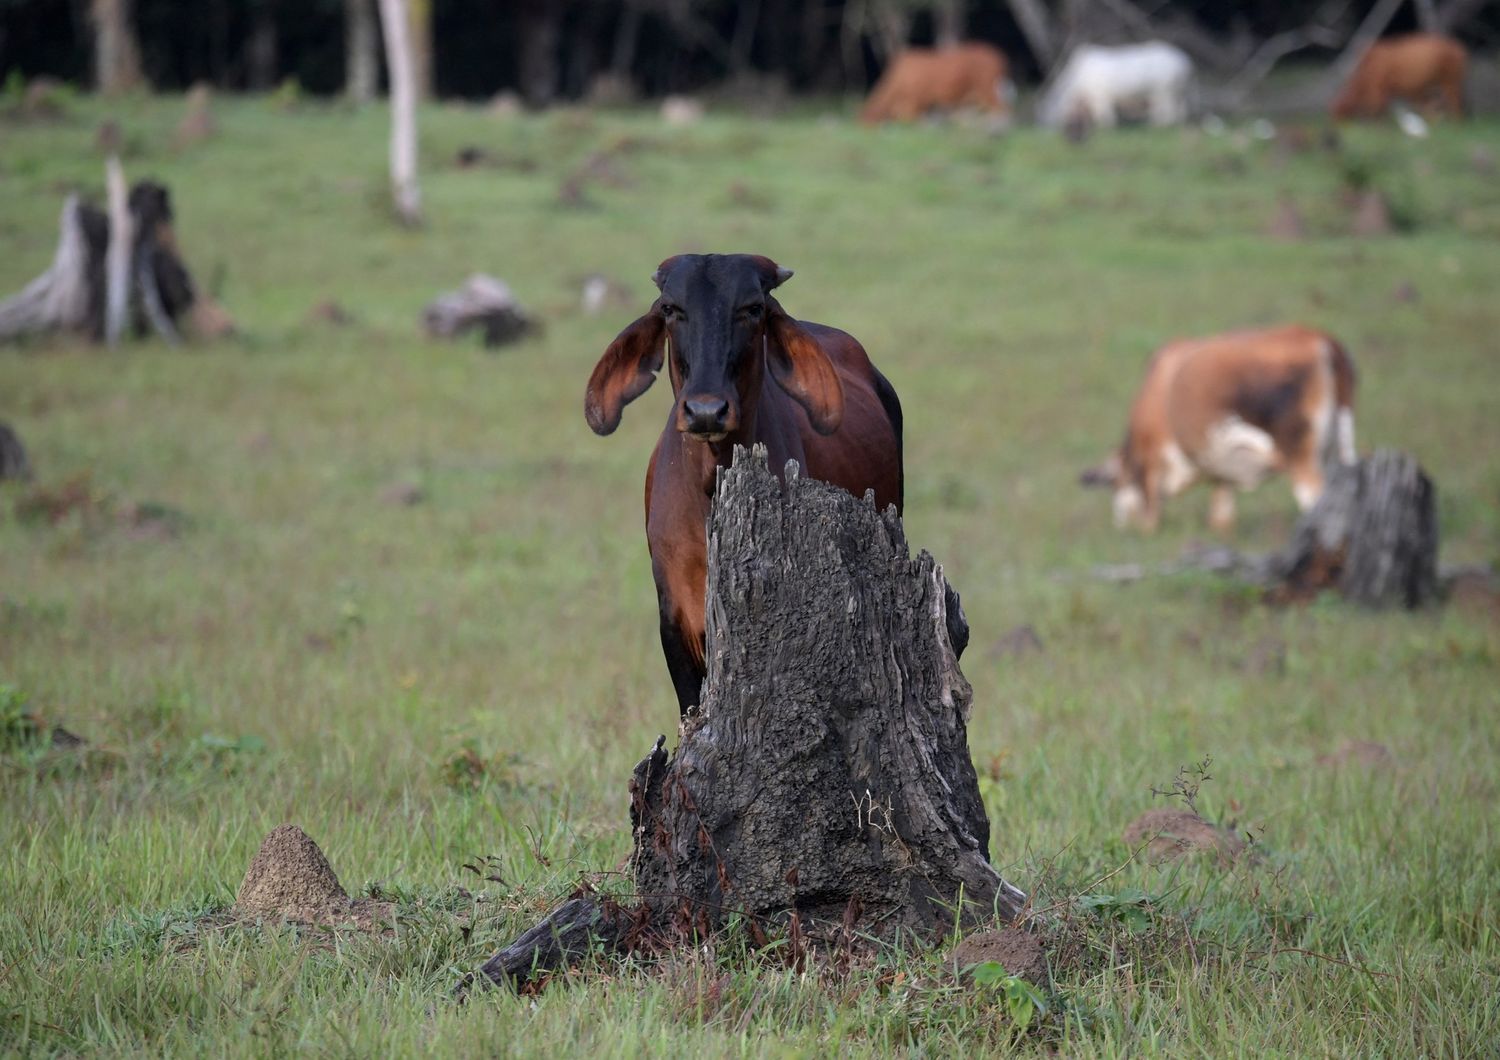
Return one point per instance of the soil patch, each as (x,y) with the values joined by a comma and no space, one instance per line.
(1018,952)
(1173,833)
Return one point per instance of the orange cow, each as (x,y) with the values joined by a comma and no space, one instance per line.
(925,79)
(1419,68)
(1231,410)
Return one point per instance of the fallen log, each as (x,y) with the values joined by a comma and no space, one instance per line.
(824,786)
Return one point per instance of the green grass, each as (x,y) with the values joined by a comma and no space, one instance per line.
(303,652)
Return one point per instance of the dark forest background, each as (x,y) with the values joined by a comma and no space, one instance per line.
(563,49)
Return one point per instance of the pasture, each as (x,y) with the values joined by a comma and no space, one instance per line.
(473,676)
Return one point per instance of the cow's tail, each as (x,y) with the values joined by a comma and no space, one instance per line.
(1342,367)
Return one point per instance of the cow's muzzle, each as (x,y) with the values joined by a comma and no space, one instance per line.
(706,416)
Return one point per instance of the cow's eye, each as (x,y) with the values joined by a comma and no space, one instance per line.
(752,311)
(671,312)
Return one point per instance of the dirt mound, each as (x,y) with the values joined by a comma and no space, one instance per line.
(1019,953)
(290,879)
(1172,833)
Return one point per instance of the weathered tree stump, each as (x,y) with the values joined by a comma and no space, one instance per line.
(825,782)
(829,766)
(1373,536)
(13,461)
(154,289)
(483,302)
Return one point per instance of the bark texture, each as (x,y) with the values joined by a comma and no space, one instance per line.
(828,768)
(1373,536)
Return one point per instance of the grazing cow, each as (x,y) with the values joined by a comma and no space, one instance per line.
(742,372)
(923,79)
(1099,85)
(1423,69)
(1232,409)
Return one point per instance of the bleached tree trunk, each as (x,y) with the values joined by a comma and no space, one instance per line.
(117,257)
(361,62)
(117,56)
(395,21)
(419,21)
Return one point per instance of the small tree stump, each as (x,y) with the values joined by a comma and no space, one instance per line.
(13,461)
(1373,536)
(482,302)
(152,287)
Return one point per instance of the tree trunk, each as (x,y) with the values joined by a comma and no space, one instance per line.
(540,30)
(419,22)
(948,22)
(1368,33)
(825,782)
(117,56)
(1373,535)
(398,57)
(1036,26)
(627,35)
(261,63)
(743,37)
(361,58)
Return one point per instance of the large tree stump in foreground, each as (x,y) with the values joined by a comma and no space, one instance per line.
(829,768)
(825,782)
(1372,535)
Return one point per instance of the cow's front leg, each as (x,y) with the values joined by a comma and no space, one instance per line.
(683,661)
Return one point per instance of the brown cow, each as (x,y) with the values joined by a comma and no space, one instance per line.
(1420,68)
(923,79)
(742,372)
(1232,409)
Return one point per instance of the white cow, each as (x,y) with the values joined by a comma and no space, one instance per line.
(1098,83)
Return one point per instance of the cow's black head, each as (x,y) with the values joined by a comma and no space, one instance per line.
(719,327)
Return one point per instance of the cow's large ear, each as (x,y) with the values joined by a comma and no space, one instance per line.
(625,372)
(803,369)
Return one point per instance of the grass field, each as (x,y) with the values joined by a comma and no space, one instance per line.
(474,675)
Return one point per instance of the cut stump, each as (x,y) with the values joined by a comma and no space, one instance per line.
(825,784)
(13,460)
(1373,536)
